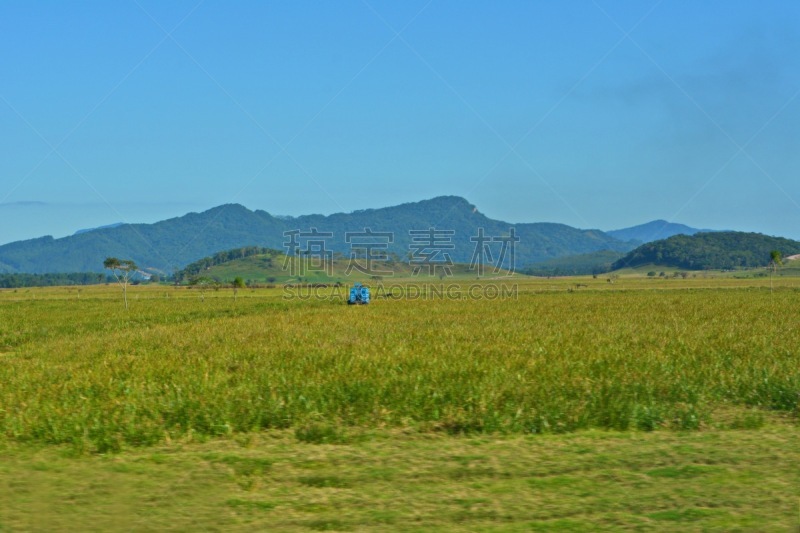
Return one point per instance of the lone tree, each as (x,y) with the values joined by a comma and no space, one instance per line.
(123,270)
(203,283)
(775,260)
(238,283)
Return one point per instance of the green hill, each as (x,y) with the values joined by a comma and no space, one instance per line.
(259,265)
(705,251)
(172,244)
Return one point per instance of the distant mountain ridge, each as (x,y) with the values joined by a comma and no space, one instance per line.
(87,230)
(173,243)
(654,231)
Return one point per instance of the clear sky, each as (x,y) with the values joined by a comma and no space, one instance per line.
(598,114)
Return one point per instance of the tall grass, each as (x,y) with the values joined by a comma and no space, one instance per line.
(81,370)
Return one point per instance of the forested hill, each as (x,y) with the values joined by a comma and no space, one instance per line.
(719,250)
(172,244)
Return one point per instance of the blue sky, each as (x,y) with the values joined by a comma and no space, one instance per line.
(596,114)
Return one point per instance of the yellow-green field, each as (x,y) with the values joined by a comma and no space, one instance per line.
(665,386)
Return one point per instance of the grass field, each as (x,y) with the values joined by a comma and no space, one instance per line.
(612,404)
(710,480)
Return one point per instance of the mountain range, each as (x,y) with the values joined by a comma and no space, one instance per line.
(654,231)
(171,244)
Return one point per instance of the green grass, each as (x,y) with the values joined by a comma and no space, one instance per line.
(83,371)
(732,480)
(790,269)
(638,403)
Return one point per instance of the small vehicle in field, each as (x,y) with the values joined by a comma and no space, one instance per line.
(359,295)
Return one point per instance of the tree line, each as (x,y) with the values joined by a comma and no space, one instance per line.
(14,281)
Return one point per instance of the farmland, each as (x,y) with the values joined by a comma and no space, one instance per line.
(693,377)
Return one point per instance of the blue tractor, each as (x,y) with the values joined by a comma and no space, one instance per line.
(359,294)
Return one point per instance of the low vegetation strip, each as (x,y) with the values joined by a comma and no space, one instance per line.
(9,281)
(732,480)
(85,372)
